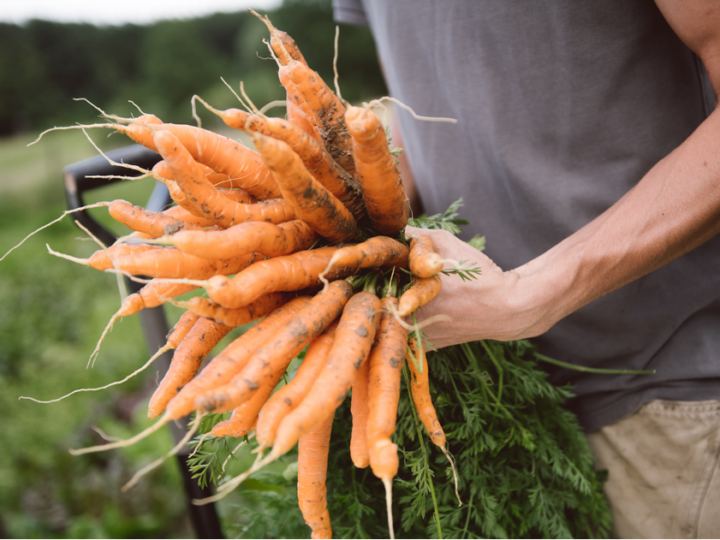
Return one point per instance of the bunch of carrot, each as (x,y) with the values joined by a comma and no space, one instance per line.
(304,235)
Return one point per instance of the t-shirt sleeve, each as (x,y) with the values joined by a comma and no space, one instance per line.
(349,11)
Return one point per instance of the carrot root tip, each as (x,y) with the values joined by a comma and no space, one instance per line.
(454,472)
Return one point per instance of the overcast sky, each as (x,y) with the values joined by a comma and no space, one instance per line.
(121,11)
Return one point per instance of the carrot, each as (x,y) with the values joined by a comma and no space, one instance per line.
(383,191)
(375,252)
(242,419)
(310,150)
(103,258)
(299,112)
(353,339)
(298,117)
(265,238)
(221,154)
(319,162)
(276,354)
(288,273)
(196,345)
(288,397)
(151,295)
(178,212)
(386,360)
(420,293)
(171,263)
(238,195)
(238,316)
(181,329)
(162,170)
(312,202)
(424,262)
(244,415)
(203,195)
(219,180)
(326,108)
(359,409)
(230,361)
(286,49)
(281,42)
(313,450)
(420,389)
(155,224)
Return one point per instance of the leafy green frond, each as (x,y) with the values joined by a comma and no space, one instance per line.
(466,270)
(448,220)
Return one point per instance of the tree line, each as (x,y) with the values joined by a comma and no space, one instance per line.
(44,65)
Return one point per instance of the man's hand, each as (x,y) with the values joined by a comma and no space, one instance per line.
(496,305)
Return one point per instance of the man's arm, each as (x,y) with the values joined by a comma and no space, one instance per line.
(674,208)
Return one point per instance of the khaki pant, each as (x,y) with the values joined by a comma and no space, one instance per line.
(663,462)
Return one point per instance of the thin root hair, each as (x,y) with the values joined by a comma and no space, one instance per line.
(416,116)
(65,213)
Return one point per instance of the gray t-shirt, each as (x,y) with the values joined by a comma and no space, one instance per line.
(563,106)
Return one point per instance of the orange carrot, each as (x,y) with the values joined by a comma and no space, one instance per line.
(229,362)
(420,389)
(375,252)
(181,328)
(386,360)
(216,179)
(286,49)
(313,450)
(383,191)
(196,345)
(353,339)
(312,153)
(420,293)
(326,108)
(359,409)
(312,202)
(221,154)
(298,117)
(178,212)
(281,42)
(155,224)
(298,109)
(276,354)
(265,238)
(151,295)
(424,262)
(244,415)
(238,316)
(320,163)
(288,397)
(173,264)
(203,195)
(103,258)
(288,273)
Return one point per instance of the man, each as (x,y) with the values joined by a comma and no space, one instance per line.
(588,152)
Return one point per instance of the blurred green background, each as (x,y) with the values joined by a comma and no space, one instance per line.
(53,311)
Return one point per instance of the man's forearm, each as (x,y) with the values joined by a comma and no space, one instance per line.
(673,209)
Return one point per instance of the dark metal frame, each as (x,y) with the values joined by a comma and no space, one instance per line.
(205,519)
